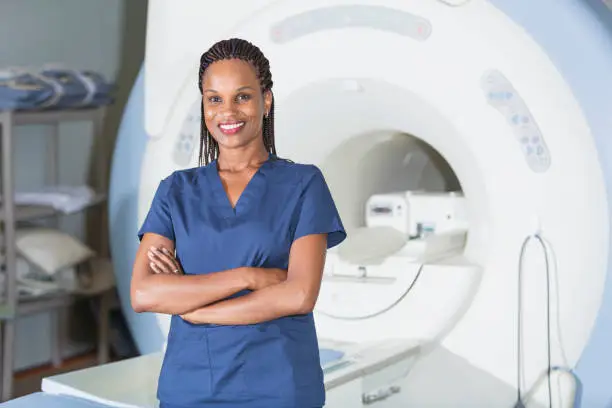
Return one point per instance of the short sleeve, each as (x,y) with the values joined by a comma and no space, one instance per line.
(159,219)
(317,212)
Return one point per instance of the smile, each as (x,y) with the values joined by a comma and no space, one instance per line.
(229,128)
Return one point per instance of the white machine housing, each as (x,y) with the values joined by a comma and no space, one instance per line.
(412,96)
(476,90)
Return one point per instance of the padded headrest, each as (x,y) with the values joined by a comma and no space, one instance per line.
(371,245)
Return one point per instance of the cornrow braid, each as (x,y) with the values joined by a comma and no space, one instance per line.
(245,51)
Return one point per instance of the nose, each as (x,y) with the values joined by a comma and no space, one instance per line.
(227,109)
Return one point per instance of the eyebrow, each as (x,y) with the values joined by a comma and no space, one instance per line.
(242,88)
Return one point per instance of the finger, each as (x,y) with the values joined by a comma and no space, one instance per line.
(161,260)
(171,257)
(164,267)
(161,267)
(156,268)
(166,259)
(176,266)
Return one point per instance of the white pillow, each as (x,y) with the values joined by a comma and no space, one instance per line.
(371,245)
(51,250)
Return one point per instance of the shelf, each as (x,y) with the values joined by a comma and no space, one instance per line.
(33,212)
(54,116)
(11,214)
(31,305)
(102,280)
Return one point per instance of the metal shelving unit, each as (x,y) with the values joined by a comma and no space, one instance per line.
(13,306)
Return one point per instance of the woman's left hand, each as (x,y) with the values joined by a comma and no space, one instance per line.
(162,261)
(188,317)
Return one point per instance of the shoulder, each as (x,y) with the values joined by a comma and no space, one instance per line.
(184,178)
(300,174)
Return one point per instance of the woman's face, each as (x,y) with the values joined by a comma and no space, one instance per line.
(234,106)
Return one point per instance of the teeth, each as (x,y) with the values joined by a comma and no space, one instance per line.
(233,126)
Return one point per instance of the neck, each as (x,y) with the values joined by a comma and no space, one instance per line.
(242,158)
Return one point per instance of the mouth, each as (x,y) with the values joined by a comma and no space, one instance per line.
(230,128)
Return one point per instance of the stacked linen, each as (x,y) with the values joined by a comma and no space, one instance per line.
(67,199)
(52,88)
(32,282)
(77,89)
(20,90)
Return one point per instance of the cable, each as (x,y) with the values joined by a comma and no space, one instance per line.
(555,278)
(548,336)
(519,397)
(519,403)
(386,309)
(391,306)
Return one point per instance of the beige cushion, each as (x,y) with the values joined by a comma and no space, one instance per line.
(370,246)
(51,250)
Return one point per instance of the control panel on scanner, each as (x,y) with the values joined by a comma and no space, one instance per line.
(417,214)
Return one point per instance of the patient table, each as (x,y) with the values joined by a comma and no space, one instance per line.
(355,374)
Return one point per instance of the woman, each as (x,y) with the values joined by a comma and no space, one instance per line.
(250,231)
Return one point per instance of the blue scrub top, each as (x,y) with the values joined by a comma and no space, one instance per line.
(274,364)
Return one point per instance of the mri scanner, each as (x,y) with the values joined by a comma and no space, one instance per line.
(464,142)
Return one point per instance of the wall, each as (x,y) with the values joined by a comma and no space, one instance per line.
(105,36)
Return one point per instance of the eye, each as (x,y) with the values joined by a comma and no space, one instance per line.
(214,99)
(243,98)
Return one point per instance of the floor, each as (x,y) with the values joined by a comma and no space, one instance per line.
(29,381)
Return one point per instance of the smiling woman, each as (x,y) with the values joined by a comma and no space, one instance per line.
(234,250)
(232,105)
(234,102)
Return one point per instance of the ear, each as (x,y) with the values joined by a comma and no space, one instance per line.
(268,97)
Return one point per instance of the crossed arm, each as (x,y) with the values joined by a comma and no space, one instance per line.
(296,295)
(196,297)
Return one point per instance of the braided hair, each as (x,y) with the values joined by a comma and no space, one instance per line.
(235,48)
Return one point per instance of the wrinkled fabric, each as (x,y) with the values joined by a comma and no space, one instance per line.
(52,88)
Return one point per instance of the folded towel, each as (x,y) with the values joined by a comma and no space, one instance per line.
(52,88)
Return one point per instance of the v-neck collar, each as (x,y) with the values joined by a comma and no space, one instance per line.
(252,191)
